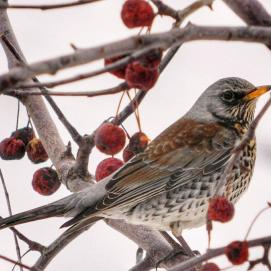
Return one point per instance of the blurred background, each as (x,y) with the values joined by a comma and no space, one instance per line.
(47,34)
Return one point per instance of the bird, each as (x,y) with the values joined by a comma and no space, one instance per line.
(168,186)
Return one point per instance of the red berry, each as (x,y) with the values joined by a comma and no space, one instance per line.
(109,138)
(237,252)
(137,13)
(25,134)
(45,181)
(139,76)
(138,142)
(220,209)
(127,154)
(209,267)
(107,167)
(36,152)
(120,72)
(12,148)
(152,59)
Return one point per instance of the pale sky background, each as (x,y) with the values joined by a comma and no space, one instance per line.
(47,34)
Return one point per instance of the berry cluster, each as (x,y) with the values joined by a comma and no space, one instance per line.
(45,180)
(110,139)
(143,72)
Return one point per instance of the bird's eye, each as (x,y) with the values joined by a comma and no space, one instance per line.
(228,96)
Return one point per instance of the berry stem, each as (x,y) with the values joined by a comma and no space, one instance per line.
(136,112)
(18,115)
(254,220)
(119,104)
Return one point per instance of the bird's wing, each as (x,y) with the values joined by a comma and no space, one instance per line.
(180,154)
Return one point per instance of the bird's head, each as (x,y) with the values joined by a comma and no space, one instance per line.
(229,101)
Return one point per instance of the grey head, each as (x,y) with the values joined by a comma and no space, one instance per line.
(228,101)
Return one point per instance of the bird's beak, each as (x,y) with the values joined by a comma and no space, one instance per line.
(257,92)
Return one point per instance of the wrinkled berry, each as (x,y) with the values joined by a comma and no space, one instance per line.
(25,134)
(137,13)
(109,138)
(209,267)
(119,72)
(220,209)
(45,181)
(237,252)
(36,152)
(139,76)
(127,154)
(138,142)
(12,149)
(107,167)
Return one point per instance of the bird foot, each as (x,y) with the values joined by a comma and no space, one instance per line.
(173,254)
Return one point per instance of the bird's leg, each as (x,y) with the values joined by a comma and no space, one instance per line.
(177,248)
(184,244)
(177,232)
(175,245)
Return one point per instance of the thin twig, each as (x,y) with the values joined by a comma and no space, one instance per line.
(180,15)
(94,93)
(184,13)
(212,253)
(164,9)
(18,251)
(110,67)
(254,220)
(18,115)
(14,262)
(46,7)
(32,244)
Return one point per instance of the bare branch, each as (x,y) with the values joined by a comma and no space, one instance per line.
(32,244)
(5,5)
(118,64)
(212,253)
(160,40)
(251,11)
(18,251)
(14,262)
(180,15)
(94,93)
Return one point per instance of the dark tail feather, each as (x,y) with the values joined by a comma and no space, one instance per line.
(83,225)
(32,215)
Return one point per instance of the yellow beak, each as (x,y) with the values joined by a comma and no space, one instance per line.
(257,92)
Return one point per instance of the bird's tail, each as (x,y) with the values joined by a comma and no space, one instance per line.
(57,208)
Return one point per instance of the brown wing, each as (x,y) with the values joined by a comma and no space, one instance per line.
(186,150)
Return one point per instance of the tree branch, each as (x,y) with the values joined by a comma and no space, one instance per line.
(4,5)
(250,11)
(118,64)
(94,93)
(18,251)
(212,253)
(160,40)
